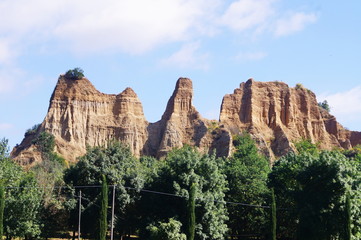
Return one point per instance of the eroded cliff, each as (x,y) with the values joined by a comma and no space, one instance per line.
(277,116)
(272,112)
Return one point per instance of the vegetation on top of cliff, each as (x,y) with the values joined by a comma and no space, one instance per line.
(300,86)
(44,142)
(75,74)
(324,105)
(32,130)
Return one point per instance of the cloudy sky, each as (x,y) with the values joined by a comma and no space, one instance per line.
(148,45)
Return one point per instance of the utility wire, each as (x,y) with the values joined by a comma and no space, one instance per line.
(149,191)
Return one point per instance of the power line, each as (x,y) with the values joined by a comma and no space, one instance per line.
(148,191)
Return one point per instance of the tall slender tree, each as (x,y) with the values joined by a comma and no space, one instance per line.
(348,234)
(273,216)
(103,210)
(2,206)
(191,213)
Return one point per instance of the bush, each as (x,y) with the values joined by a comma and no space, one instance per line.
(75,74)
(299,86)
(324,105)
(45,142)
(166,230)
(32,130)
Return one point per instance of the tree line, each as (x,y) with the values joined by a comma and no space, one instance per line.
(309,193)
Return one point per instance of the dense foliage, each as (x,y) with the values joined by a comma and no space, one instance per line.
(324,105)
(32,130)
(247,172)
(120,168)
(22,202)
(166,231)
(314,189)
(273,216)
(103,223)
(318,193)
(75,74)
(191,227)
(2,206)
(182,168)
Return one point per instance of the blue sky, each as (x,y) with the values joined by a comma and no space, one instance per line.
(148,45)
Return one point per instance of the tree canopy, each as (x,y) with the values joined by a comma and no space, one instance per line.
(182,168)
(22,201)
(75,74)
(247,172)
(314,188)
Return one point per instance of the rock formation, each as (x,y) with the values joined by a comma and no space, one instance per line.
(273,113)
(277,116)
(79,115)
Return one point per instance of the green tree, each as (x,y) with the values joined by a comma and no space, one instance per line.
(348,218)
(4,149)
(181,168)
(49,174)
(315,187)
(273,216)
(119,166)
(103,223)
(45,142)
(2,206)
(23,199)
(247,172)
(324,105)
(75,74)
(191,227)
(306,146)
(166,230)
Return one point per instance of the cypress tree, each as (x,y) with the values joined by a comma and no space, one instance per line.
(273,216)
(2,206)
(348,234)
(103,210)
(191,213)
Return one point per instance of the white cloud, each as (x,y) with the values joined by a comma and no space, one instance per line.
(132,26)
(247,14)
(293,23)
(188,57)
(262,16)
(345,105)
(250,56)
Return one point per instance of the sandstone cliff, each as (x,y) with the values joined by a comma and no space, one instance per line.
(182,124)
(79,115)
(273,113)
(277,116)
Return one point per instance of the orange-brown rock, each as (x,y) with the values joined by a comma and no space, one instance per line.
(273,113)
(79,115)
(182,124)
(277,116)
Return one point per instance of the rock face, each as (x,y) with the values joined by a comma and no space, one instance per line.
(182,124)
(273,113)
(79,115)
(277,116)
